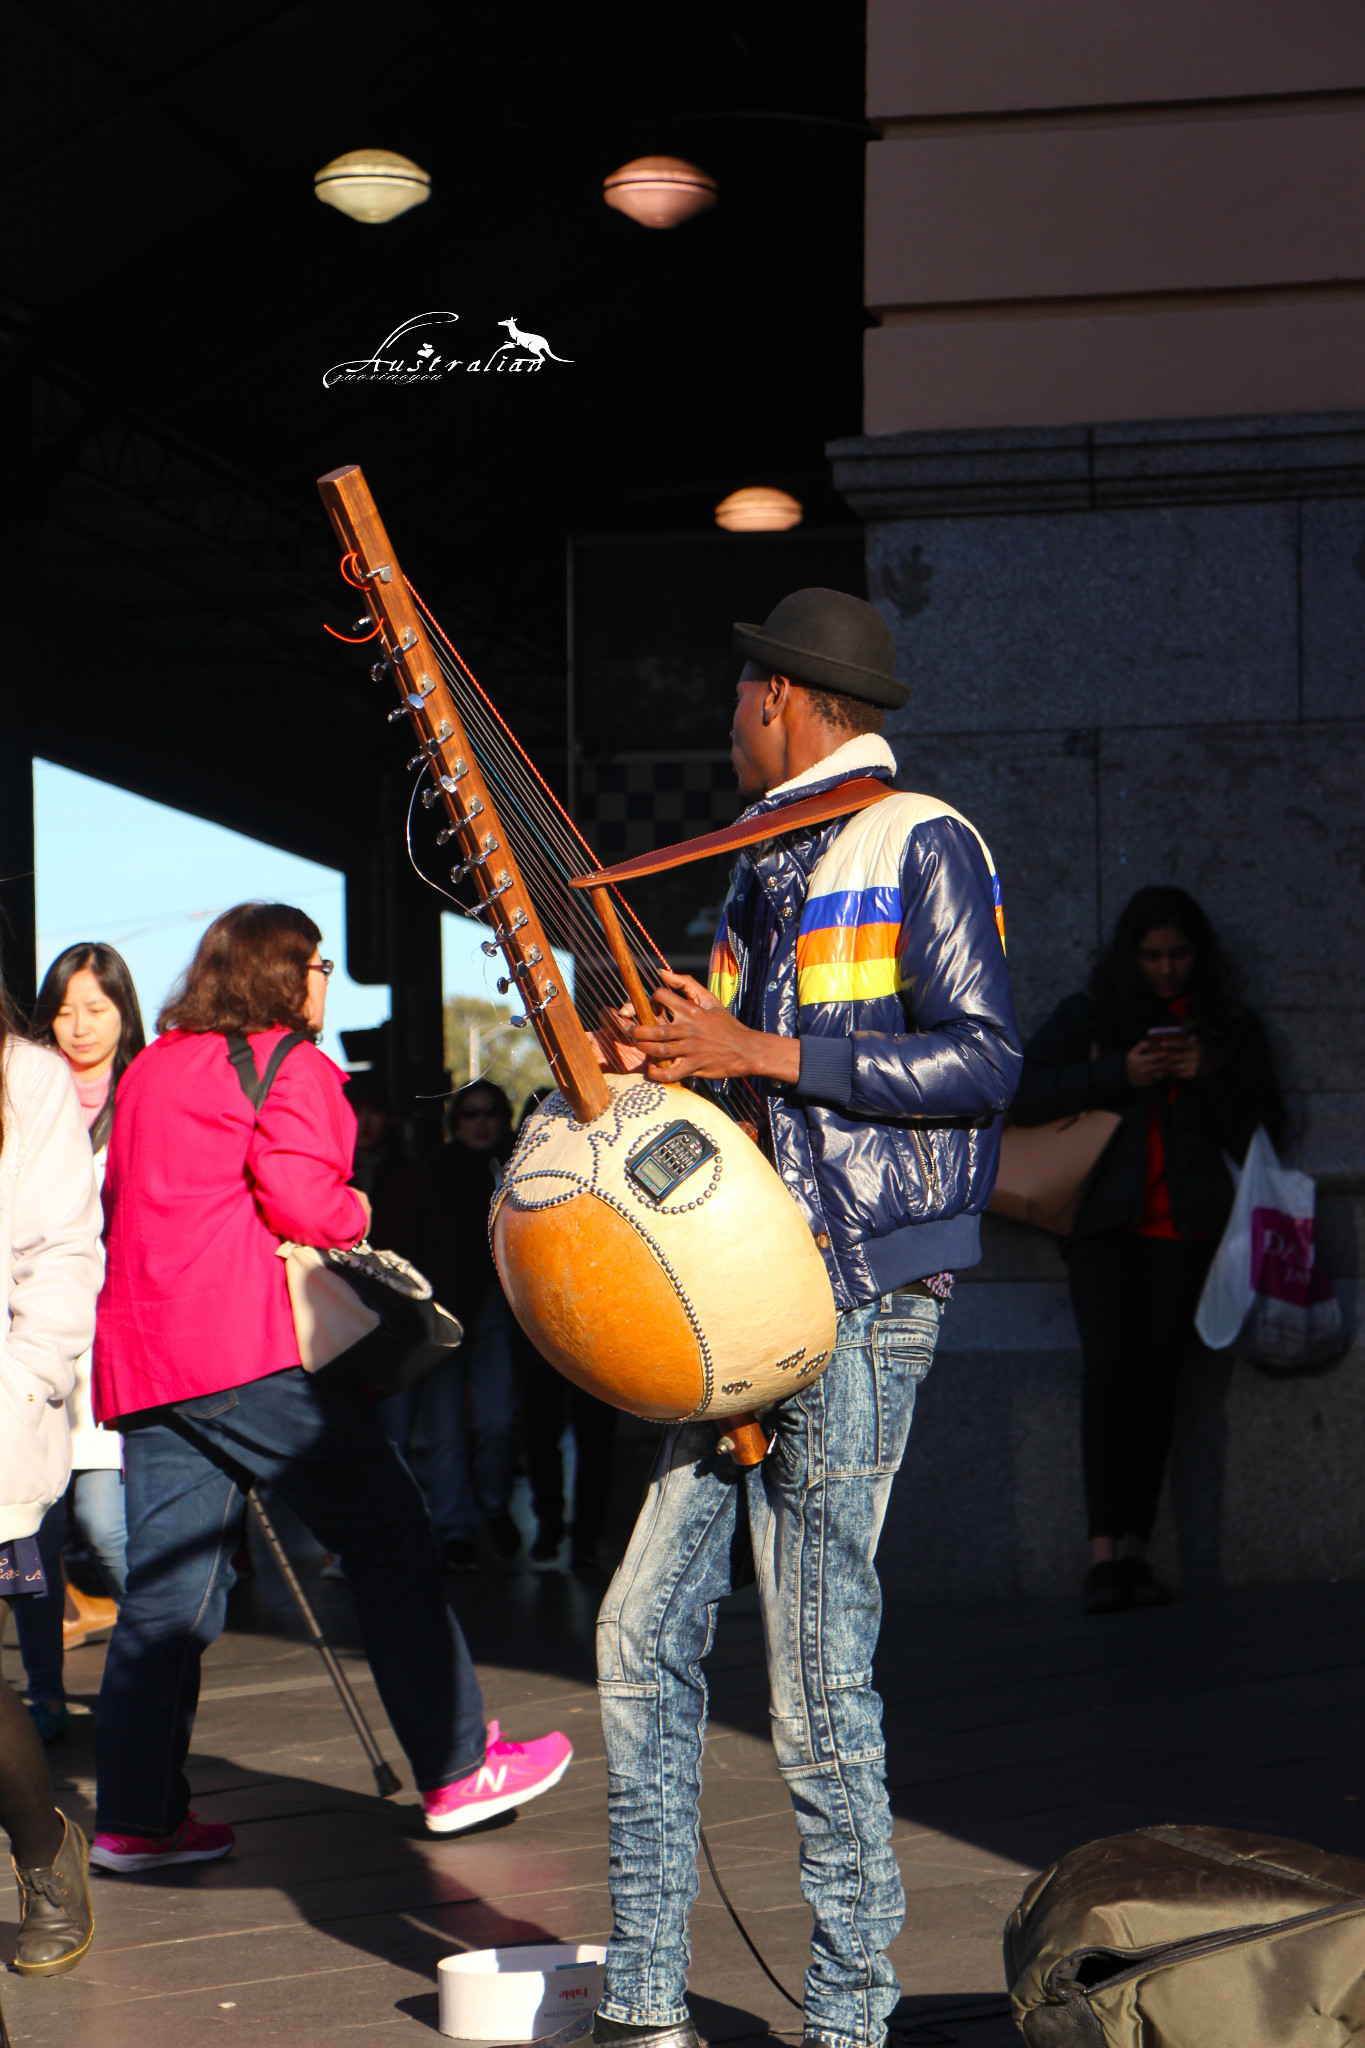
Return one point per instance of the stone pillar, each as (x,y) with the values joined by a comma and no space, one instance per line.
(1135,656)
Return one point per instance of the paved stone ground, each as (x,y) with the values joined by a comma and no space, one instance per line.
(1015,1731)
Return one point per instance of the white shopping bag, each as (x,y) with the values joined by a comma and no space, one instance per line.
(1266,1295)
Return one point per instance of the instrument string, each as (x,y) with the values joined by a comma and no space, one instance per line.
(574,847)
(543,850)
(549,847)
(569,920)
(544,858)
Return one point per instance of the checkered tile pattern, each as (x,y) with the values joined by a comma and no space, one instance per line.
(637,802)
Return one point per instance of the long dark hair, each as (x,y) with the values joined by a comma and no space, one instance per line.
(1124,1005)
(249,972)
(110,970)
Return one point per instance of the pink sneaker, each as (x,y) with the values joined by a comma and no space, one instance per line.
(510,1774)
(194,1841)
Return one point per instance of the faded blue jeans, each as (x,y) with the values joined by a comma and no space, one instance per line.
(321,1450)
(815,1509)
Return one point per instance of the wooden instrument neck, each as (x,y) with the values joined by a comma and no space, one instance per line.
(456,785)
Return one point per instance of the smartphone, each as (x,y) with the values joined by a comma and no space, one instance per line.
(1162,1034)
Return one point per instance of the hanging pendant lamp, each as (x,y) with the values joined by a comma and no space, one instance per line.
(659,191)
(372,184)
(759,509)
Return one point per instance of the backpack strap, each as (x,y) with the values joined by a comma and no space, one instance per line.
(256,1085)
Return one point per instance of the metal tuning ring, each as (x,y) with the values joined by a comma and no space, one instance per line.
(520,1023)
(490,846)
(401,712)
(380,669)
(457,775)
(490,947)
(429,796)
(502,884)
(475,810)
(520,970)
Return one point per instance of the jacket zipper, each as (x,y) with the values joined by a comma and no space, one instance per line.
(1199,1945)
(928,1166)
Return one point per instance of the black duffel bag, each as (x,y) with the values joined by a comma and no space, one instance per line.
(1190,1937)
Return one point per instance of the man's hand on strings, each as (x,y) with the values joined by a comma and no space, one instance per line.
(697,1035)
(613,1048)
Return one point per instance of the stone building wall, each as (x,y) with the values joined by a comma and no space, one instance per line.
(1135,655)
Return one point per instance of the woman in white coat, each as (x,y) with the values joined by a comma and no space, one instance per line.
(51,1265)
(87,1009)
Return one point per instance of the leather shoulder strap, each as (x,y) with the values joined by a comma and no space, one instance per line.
(256,1085)
(842,802)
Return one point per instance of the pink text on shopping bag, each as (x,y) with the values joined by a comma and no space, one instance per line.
(1283,1261)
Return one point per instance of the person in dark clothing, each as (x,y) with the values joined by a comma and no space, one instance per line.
(452,1249)
(548,1401)
(382,1171)
(1160,1039)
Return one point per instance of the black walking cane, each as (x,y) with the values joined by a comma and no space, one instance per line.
(387,1780)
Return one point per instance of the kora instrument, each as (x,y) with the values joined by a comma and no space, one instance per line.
(645,1245)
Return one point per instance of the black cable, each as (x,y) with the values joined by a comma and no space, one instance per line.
(743,1930)
(925,2029)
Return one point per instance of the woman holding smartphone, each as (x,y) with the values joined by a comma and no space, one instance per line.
(1159,1038)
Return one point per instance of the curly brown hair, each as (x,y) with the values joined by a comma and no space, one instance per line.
(250,972)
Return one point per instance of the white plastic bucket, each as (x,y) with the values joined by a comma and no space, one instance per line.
(518,1994)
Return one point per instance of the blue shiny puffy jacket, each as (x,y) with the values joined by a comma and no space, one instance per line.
(879,941)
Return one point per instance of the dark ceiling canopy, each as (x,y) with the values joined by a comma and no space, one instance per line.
(171,294)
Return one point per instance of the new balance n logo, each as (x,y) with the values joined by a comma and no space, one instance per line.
(490,1780)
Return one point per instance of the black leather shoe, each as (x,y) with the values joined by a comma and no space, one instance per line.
(616,2034)
(1105,1590)
(57,1920)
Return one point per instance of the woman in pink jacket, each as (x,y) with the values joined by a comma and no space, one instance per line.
(197,1363)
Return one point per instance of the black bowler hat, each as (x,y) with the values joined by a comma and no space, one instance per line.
(830,641)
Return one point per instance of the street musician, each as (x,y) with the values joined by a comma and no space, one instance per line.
(859,996)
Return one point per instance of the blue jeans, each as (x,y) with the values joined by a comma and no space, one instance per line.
(815,1509)
(324,1454)
(460,1489)
(94,1502)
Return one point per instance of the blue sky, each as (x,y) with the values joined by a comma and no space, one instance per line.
(147,879)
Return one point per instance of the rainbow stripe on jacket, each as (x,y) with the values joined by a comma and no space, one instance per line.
(848,944)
